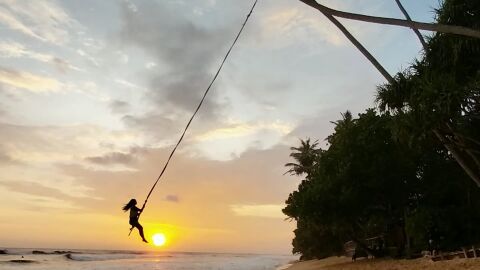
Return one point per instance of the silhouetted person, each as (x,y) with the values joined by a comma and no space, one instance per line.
(134,214)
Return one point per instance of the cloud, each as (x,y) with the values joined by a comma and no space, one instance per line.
(5,159)
(113,158)
(3,112)
(127,83)
(294,24)
(213,186)
(119,107)
(36,145)
(150,65)
(28,81)
(262,210)
(244,129)
(188,51)
(131,6)
(42,20)
(37,203)
(35,189)
(94,61)
(63,66)
(89,89)
(172,198)
(13,49)
(157,125)
(11,21)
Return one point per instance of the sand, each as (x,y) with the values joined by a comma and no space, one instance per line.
(343,263)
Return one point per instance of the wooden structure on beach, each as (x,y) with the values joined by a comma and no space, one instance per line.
(376,243)
(464,253)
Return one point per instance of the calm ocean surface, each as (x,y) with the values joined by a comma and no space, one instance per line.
(46,259)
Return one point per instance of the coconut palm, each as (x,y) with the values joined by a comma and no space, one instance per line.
(305,156)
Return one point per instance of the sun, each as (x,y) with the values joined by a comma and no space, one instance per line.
(159,239)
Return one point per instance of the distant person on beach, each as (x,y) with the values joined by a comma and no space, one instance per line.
(134,214)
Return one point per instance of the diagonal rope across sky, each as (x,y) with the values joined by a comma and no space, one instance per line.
(199,105)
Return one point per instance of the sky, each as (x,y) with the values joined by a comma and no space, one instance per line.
(93,95)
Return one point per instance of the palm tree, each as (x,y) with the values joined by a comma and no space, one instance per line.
(306,156)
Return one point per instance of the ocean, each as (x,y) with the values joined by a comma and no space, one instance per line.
(52,259)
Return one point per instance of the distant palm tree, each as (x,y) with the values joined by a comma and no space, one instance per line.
(305,155)
(347,120)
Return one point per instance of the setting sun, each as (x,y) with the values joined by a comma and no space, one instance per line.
(159,239)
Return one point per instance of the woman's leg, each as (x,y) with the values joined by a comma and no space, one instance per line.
(140,230)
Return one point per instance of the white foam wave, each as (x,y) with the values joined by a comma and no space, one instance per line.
(99,257)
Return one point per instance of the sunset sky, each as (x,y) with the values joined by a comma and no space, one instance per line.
(93,94)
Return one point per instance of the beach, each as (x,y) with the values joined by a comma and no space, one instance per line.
(344,263)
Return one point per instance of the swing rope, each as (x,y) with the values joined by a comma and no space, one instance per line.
(197,109)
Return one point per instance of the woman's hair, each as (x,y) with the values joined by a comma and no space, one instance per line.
(129,205)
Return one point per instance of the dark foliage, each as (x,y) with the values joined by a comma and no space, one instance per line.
(395,173)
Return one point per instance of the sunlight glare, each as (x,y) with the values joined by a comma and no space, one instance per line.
(159,239)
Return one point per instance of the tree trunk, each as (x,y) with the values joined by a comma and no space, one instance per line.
(419,35)
(361,48)
(457,156)
(450,29)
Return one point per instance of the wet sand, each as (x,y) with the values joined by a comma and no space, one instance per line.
(343,263)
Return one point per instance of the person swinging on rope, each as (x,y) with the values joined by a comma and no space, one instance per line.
(134,215)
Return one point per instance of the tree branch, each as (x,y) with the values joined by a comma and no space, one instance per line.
(460,160)
(360,47)
(450,29)
(419,35)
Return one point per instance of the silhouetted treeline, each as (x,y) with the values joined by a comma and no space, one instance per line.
(405,170)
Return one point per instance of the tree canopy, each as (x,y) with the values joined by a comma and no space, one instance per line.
(402,170)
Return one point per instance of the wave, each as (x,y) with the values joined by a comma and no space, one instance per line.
(22,251)
(98,257)
(41,252)
(112,256)
(29,251)
(23,261)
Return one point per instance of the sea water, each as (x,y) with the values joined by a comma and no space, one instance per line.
(48,259)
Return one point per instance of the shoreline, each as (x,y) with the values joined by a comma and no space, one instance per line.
(344,263)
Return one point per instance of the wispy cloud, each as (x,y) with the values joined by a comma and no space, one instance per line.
(37,145)
(94,61)
(286,26)
(36,189)
(89,89)
(127,83)
(114,158)
(259,210)
(244,129)
(12,49)
(11,21)
(28,81)
(43,20)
